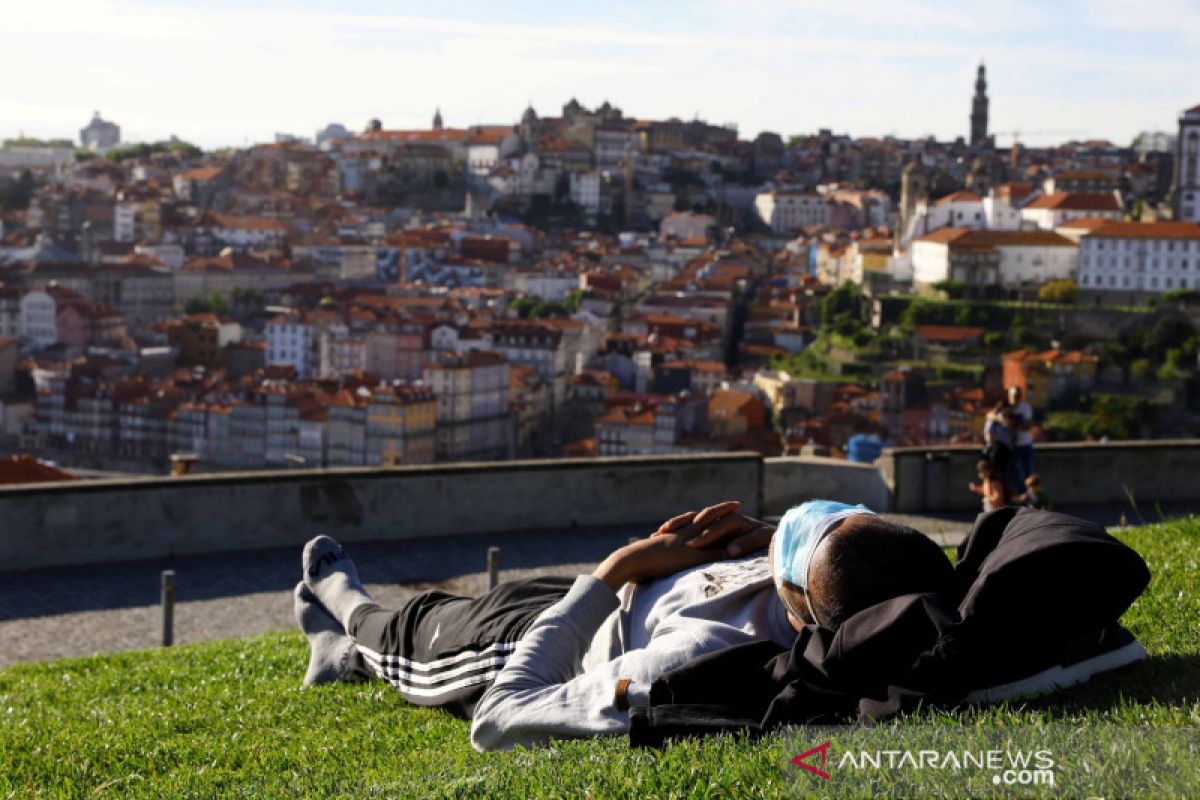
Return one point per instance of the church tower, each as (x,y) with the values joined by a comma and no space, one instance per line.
(437,120)
(979,110)
(1185,188)
(914,189)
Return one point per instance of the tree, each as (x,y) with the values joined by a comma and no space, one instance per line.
(1064,292)
(213,304)
(951,288)
(548,309)
(1120,416)
(1019,334)
(1141,369)
(994,340)
(1068,426)
(141,150)
(572,300)
(523,306)
(1182,296)
(844,309)
(919,312)
(1167,333)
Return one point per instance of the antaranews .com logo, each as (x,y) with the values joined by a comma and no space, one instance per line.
(1051,760)
(1007,767)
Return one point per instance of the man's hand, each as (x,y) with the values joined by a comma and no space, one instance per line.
(659,555)
(720,526)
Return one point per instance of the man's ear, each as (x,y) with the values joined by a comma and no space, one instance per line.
(796,604)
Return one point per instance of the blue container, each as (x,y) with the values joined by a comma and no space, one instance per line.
(865,448)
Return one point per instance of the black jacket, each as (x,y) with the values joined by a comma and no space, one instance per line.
(1034,589)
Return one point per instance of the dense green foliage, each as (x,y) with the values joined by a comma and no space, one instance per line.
(230,719)
(1059,292)
(213,304)
(1112,415)
(30,141)
(1166,347)
(523,306)
(1186,296)
(951,288)
(844,310)
(145,149)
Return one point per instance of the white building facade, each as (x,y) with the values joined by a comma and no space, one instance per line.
(981,259)
(788,212)
(39,319)
(1151,257)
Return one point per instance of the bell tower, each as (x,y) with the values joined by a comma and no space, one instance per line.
(979,110)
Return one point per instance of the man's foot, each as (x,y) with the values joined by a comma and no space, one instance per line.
(330,649)
(331,576)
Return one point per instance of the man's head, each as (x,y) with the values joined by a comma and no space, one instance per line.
(863,561)
(1014,394)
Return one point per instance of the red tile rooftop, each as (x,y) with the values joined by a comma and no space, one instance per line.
(26,469)
(948,333)
(1084,223)
(959,197)
(583,448)
(1147,230)
(1077,201)
(1084,175)
(968,237)
(628,415)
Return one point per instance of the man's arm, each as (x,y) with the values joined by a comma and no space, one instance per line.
(541,694)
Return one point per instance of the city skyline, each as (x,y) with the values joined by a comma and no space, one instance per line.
(164,68)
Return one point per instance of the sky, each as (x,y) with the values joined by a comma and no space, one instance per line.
(223,73)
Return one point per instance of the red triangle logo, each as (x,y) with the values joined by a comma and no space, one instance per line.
(801,760)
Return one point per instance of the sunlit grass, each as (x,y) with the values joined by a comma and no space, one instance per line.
(230,719)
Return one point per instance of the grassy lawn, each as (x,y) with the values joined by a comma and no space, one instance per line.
(230,719)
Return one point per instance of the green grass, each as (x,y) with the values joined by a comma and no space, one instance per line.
(229,719)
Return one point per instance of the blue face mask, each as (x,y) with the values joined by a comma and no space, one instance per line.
(802,528)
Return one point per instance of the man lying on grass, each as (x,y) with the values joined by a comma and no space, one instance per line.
(549,658)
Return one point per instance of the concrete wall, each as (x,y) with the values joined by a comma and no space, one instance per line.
(121,519)
(789,481)
(1166,471)
(115,520)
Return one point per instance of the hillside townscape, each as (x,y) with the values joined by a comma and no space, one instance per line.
(582,283)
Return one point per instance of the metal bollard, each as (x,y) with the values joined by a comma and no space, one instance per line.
(168,607)
(493,567)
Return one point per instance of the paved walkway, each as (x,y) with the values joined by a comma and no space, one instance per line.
(78,611)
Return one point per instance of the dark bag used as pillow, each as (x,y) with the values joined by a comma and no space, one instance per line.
(1031,585)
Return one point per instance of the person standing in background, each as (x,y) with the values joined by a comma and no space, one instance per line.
(1022,416)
